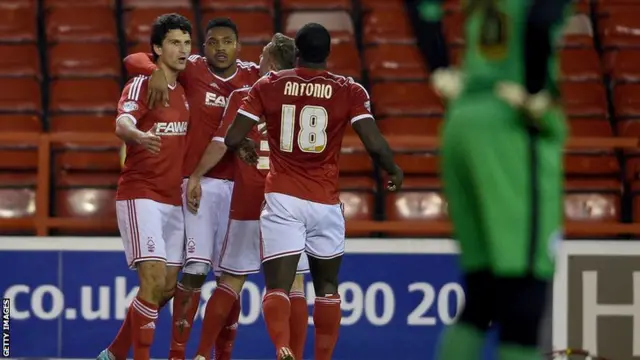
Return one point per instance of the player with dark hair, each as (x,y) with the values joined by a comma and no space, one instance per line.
(306,110)
(502,150)
(241,250)
(148,200)
(208,81)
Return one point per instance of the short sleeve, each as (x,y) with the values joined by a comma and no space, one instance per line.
(252,106)
(233,105)
(131,105)
(359,102)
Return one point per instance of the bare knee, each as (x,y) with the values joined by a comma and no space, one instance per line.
(235,282)
(152,276)
(171,279)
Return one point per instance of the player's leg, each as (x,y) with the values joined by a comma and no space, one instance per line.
(299,319)
(239,257)
(140,223)
(325,247)
(464,339)
(283,241)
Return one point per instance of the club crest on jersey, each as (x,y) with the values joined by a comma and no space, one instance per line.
(212,99)
(129,106)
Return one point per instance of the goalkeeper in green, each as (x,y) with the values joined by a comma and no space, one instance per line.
(502,147)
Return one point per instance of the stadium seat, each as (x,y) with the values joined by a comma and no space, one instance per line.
(395,62)
(420,198)
(20,123)
(19,60)
(84,59)
(338,23)
(369,5)
(137,22)
(387,26)
(405,99)
(253,26)
(357,197)
(590,127)
(20,95)
(17,199)
(581,64)
(592,201)
(410,126)
(578,32)
(173,4)
(251,52)
(18,24)
(626,101)
(81,24)
(623,65)
(453,24)
(295,5)
(345,60)
(50,4)
(235,5)
(84,95)
(616,29)
(584,99)
(82,123)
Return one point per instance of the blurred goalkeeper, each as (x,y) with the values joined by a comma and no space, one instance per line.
(502,147)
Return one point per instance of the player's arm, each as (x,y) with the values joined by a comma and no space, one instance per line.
(130,111)
(140,64)
(247,117)
(364,125)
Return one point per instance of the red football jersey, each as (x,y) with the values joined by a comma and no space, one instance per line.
(207,94)
(306,112)
(145,175)
(248,187)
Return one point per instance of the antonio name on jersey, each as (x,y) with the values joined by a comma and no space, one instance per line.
(174,128)
(212,99)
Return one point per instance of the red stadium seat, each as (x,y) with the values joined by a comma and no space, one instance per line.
(174,4)
(623,65)
(580,65)
(369,5)
(356,195)
(626,100)
(19,60)
(17,199)
(18,24)
(593,201)
(453,24)
(410,126)
(253,26)
(20,95)
(578,32)
(49,4)
(395,62)
(387,26)
(420,198)
(84,95)
(81,24)
(295,5)
(137,22)
(345,60)
(590,127)
(234,4)
(405,99)
(251,52)
(338,23)
(20,123)
(82,123)
(619,29)
(14,4)
(584,99)
(84,59)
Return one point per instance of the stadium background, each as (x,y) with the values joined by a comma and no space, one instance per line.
(61,73)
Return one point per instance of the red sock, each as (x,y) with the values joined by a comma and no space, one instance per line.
(276,310)
(224,343)
(326,318)
(143,327)
(185,308)
(122,343)
(298,322)
(215,316)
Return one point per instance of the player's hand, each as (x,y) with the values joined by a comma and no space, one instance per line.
(534,106)
(194,194)
(248,152)
(158,91)
(150,140)
(447,82)
(397,177)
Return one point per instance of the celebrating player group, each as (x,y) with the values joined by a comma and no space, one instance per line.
(232,166)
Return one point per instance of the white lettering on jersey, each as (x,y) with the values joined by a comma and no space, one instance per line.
(212,99)
(176,128)
(320,91)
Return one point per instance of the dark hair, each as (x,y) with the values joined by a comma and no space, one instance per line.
(222,22)
(283,51)
(314,43)
(165,23)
